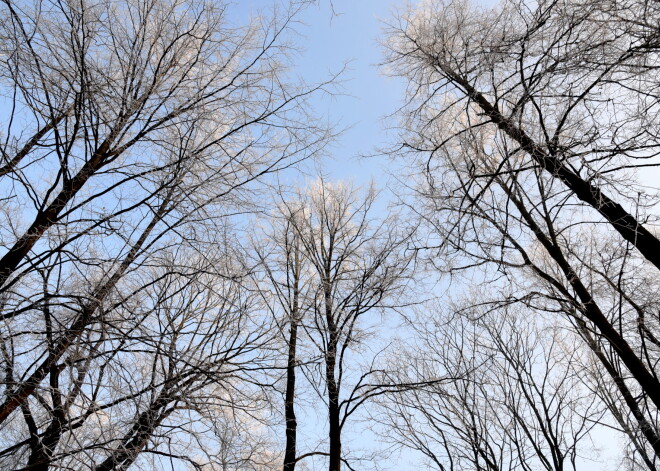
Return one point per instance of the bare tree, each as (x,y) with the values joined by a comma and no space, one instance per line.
(359,266)
(287,287)
(510,397)
(160,368)
(201,348)
(538,77)
(135,130)
(527,126)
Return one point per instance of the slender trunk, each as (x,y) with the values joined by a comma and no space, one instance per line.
(334,429)
(334,432)
(42,454)
(137,437)
(289,409)
(290,394)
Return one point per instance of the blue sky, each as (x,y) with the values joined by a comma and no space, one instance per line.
(351,35)
(339,34)
(347,32)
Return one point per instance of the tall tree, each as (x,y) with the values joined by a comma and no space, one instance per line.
(358,266)
(287,289)
(135,130)
(529,126)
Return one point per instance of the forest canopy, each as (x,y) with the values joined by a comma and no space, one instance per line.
(185,285)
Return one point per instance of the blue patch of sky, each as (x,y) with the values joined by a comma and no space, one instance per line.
(343,36)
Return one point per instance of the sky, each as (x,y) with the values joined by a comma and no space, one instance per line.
(338,34)
(351,36)
(344,34)
(348,33)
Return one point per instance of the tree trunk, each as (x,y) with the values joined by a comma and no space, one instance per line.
(137,437)
(622,221)
(289,410)
(334,432)
(290,394)
(590,309)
